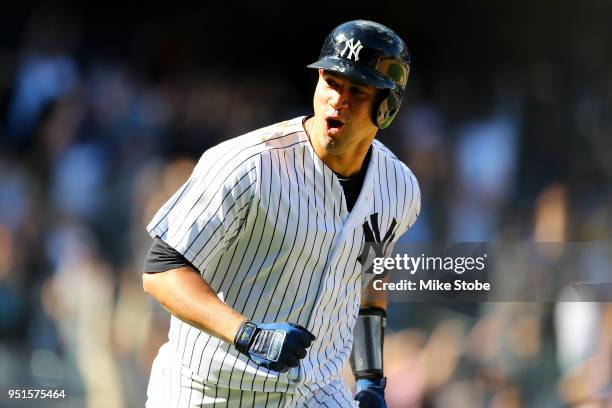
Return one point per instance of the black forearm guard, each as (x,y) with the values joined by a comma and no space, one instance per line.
(368,335)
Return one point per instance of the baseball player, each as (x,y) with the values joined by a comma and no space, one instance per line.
(262,254)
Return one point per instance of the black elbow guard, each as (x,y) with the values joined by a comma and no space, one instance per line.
(368,335)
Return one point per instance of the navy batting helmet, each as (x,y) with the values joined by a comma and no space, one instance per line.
(372,54)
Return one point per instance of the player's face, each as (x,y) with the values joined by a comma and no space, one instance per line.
(342,109)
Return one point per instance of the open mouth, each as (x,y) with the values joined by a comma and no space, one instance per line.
(334,126)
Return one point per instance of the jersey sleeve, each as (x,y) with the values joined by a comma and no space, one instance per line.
(412,205)
(206,214)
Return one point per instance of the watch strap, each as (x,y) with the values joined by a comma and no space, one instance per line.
(244,336)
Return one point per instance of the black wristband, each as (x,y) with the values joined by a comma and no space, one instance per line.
(373,310)
(244,336)
(368,335)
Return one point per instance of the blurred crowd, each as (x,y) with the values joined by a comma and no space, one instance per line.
(93,142)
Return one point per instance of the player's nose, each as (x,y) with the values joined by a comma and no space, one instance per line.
(338,98)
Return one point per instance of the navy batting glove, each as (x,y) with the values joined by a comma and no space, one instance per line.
(371,392)
(277,346)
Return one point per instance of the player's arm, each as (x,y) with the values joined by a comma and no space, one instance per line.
(185,294)
(179,288)
(367,354)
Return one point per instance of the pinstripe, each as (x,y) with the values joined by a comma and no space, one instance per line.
(346,401)
(259,241)
(221,160)
(176,197)
(336,299)
(336,309)
(196,215)
(294,235)
(318,257)
(210,282)
(209,338)
(314,346)
(232,285)
(400,188)
(190,359)
(387,192)
(266,224)
(319,346)
(276,218)
(228,233)
(301,187)
(391,191)
(346,340)
(229,236)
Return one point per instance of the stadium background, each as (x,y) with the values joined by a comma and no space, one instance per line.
(507,124)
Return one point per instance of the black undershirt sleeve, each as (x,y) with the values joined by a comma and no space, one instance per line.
(162,257)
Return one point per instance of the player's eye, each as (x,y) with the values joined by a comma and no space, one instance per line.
(358,91)
(331,83)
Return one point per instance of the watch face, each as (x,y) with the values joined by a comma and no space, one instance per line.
(247,332)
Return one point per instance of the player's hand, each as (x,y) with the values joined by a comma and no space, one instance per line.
(277,346)
(371,393)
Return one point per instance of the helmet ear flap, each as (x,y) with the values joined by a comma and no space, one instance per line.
(385,108)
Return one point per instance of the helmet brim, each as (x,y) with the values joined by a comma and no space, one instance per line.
(357,72)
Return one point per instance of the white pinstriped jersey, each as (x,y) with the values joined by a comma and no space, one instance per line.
(265,222)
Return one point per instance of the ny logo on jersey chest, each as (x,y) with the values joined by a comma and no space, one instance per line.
(353,49)
(375,246)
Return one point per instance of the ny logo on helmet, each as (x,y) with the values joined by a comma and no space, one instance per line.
(353,49)
(375,246)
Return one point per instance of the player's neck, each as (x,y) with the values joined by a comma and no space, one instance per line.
(344,164)
(347,164)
